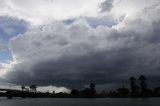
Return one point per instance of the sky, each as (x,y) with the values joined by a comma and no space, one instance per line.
(64,44)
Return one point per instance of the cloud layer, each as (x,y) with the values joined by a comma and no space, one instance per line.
(44,11)
(76,54)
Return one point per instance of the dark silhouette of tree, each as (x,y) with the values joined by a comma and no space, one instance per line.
(23,87)
(9,94)
(89,92)
(143,84)
(113,94)
(53,92)
(86,92)
(33,88)
(156,91)
(92,90)
(123,91)
(134,87)
(75,92)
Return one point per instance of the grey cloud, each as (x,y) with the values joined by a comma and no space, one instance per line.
(76,54)
(106,20)
(74,71)
(106,6)
(103,20)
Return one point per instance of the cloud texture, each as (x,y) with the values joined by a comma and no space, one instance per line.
(44,11)
(76,54)
(2,45)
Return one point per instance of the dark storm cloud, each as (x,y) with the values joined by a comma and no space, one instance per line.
(76,71)
(132,52)
(76,54)
(106,6)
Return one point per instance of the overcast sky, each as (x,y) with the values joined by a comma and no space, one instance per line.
(71,43)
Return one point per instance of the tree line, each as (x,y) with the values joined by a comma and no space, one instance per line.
(138,88)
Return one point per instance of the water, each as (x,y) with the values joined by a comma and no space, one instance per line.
(81,102)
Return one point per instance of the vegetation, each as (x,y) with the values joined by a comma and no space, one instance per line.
(138,88)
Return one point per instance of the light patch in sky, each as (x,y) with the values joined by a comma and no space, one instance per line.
(53,89)
(11,27)
(50,88)
(42,11)
(45,11)
(3,45)
(130,8)
(5,56)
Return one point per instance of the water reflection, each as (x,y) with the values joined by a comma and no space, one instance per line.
(81,102)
